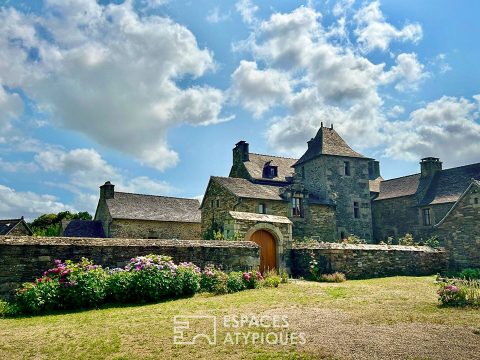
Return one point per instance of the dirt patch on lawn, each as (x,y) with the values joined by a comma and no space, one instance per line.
(346,337)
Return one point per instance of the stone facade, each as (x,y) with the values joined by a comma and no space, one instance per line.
(365,261)
(20,230)
(319,222)
(460,230)
(147,229)
(325,177)
(23,259)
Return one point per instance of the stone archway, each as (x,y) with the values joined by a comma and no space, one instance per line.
(255,233)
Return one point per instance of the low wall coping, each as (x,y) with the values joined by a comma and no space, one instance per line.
(364,247)
(69,241)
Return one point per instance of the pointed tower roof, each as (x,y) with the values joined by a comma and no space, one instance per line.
(327,142)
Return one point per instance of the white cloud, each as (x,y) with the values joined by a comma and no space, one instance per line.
(257,90)
(247,10)
(87,170)
(10,108)
(447,128)
(17,166)
(373,32)
(28,204)
(395,111)
(408,72)
(110,74)
(214,16)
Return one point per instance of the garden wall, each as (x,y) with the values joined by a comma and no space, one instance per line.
(26,258)
(365,261)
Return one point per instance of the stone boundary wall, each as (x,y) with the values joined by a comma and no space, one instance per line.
(366,261)
(24,258)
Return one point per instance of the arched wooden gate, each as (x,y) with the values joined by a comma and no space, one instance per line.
(268,250)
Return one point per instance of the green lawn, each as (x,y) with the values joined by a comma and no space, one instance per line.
(389,318)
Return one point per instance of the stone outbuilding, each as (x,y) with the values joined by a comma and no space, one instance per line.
(459,230)
(16,227)
(127,215)
(416,203)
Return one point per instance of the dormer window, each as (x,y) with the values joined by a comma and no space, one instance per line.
(270,171)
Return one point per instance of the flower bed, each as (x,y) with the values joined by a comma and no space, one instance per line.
(151,278)
(459,292)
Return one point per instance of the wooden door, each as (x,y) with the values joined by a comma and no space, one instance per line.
(268,253)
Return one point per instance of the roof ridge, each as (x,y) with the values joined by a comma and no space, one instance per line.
(19,219)
(459,167)
(401,177)
(164,196)
(275,156)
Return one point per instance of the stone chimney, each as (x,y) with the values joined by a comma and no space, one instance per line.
(373,169)
(107,191)
(240,151)
(429,166)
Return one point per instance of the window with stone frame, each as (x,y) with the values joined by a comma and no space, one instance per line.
(262,208)
(475,201)
(217,203)
(356,210)
(346,168)
(297,206)
(303,172)
(426,217)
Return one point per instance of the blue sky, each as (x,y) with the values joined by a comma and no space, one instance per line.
(153,94)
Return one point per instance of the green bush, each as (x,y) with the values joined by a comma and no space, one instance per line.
(252,279)
(272,281)
(187,280)
(284,276)
(406,240)
(8,309)
(39,296)
(221,284)
(470,274)
(119,286)
(235,282)
(209,278)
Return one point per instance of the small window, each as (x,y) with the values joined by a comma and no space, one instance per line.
(303,172)
(212,202)
(262,209)
(342,236)
(426,217)
(217,204)
(475,201)
(346,165)
(356,210)
(297,210)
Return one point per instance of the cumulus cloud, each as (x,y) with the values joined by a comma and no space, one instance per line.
(373,32)
(110,73)
(247,10)
(29,204)
(257,90)
(408,71)
(10,108)
(447,128)
(87,170)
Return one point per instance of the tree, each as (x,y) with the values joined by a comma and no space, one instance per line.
(50,224)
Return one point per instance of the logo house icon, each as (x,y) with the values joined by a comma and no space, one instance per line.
(188,329)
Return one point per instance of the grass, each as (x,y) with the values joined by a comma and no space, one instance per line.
(388,318)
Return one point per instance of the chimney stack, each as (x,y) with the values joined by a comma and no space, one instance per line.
(107,191)
(241,149)
(373,169)
(429,166)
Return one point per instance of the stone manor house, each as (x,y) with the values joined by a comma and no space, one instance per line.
(328,194)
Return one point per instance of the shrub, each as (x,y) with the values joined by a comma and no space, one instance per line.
(432,241)
(470,274)
(187,280)
(272,279)
(235,282)
(119,286)
(336,277)
(284,276)
(406,240)
(38,296)
(252,279)
(8,309)
(457,292)
(353,239)
(209,278)
(221,283)
(314,268)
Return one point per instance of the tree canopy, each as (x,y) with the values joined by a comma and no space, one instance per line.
(50,224)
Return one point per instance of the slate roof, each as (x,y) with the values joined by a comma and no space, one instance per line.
(152,207)
(449,184)
(328,142)
(7,225)
(446,187)
(398,187)
(238,215)
(84,228)
(257,162)
(473,182)
(246,189)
